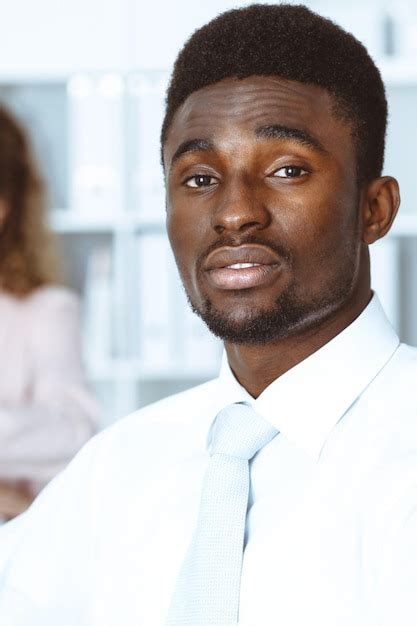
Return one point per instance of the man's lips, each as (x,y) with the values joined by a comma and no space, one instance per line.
(242,267)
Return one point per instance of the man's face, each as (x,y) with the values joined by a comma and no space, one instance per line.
(262,207)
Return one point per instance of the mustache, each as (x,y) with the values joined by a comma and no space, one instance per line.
(282,251)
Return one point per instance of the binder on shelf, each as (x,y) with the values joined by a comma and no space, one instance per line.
(195,347)
(409,289)
(146,94)
(401,137)
(171,337)
(385,277)
(365,21)
(154,309)
(41,108)
(201,349)
(403,17)
(95,134)
(98,318)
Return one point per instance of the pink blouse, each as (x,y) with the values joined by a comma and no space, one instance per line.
(46,409)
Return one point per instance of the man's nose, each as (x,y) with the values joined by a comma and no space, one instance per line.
(241,208)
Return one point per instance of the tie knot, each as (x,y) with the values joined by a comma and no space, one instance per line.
(239,432)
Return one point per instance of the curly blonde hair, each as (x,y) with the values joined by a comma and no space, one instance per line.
(28,256)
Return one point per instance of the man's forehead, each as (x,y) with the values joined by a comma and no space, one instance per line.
(249,104)
(254,101)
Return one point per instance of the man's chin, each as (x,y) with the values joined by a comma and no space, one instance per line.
(245,323)
(249,326)
(244,327)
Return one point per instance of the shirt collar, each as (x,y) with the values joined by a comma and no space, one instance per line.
(306,402)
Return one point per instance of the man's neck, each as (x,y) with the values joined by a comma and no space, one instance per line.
(256,367)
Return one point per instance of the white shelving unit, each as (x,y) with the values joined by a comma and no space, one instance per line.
(102,247)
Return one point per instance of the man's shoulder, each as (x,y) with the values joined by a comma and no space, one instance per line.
(389,442)
(390,408)
(146,438)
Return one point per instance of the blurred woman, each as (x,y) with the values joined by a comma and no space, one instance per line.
(46,410)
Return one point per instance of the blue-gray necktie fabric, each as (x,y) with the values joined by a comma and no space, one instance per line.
(208,585)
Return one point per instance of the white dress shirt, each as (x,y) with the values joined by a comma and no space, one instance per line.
(46,411)
(332,523)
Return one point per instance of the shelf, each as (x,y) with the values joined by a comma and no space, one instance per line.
(134,370)
(396,70)
(17,77)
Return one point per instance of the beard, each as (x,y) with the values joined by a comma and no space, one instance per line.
(291,313)
(289,316)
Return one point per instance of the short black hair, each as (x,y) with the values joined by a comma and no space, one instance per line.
(294,43)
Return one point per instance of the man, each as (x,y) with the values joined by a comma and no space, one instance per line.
(273,147)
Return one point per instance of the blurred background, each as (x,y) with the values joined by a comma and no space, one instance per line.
(87,79)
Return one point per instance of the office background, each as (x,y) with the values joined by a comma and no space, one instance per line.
(87,78)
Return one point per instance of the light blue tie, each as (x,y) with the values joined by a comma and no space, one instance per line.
(208,585)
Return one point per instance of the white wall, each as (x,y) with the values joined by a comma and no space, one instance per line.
(62,36)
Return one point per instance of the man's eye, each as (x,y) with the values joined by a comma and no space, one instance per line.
(200,180)
(290,171)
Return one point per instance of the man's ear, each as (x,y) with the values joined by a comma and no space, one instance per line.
(380,202)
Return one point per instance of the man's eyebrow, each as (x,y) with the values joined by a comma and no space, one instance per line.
(192,145)
(278,131)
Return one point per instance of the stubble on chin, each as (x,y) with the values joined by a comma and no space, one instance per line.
(289,316)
